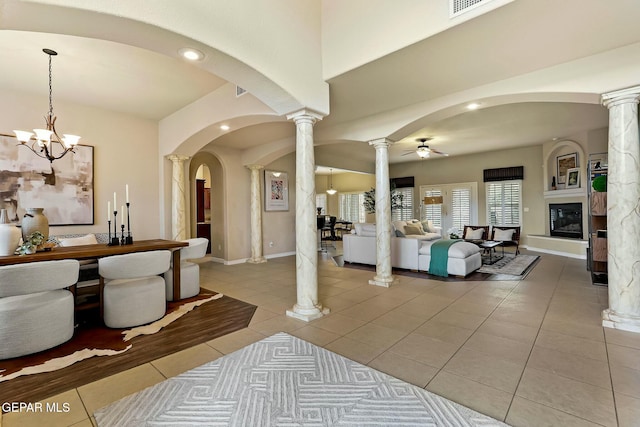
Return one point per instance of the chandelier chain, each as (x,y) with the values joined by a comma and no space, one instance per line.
(50,89)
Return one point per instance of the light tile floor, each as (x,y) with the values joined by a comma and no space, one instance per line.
(531,352)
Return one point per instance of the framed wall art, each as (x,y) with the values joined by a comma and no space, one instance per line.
(573,178)
(566,162)
(276,189)
(64,188)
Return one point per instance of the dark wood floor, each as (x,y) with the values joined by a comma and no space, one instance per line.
(206,322)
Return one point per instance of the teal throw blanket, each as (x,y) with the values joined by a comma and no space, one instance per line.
(440,256)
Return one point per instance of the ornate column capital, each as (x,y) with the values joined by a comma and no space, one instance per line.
(381,142)
(177,157)
(305,115)
(254,167)
(622,96)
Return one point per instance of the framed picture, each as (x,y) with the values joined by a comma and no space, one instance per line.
(566,162)
(64,188)
(276,191)
(598,162)
(573,178)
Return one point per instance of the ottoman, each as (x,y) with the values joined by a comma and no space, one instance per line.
(464,258)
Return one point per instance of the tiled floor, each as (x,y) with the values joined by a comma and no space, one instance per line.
(531,353)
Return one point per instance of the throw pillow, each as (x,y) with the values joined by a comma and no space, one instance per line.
(427,226)
(89,239)
(400,234)
(413,229)
(503,234)
(474,234)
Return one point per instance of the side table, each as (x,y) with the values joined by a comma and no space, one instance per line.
(490,246)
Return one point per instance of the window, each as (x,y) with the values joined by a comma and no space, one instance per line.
(406,212)
(321,202)
(504,202)
(432,212)
(351,207)
(460,207)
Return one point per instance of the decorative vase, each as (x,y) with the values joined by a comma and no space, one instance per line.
(553,183)
(35,220)
(9,235)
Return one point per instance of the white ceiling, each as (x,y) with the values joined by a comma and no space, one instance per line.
(506,42)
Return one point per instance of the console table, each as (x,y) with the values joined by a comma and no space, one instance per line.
(102,250)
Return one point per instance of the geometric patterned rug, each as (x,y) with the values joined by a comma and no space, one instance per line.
(509,264)
(284,381)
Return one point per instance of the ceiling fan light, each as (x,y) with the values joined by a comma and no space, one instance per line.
(423,153)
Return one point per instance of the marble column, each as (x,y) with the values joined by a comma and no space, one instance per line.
(256,216)
(178,209)
(307,306)
(383,275)
(623,211)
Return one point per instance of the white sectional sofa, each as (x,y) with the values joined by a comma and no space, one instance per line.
(411,252)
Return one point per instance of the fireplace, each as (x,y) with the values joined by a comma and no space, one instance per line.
(565,220)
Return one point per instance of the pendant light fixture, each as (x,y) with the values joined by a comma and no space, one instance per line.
(45,139)
(331,191)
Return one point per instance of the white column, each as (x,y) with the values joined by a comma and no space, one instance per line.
(178,210)
(256,216)
(383,275)
(307,306)
(623,215)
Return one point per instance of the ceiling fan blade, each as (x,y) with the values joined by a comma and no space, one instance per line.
(438,152)
(408,152)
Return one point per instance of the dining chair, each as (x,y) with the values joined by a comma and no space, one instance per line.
(36,309)
(189,271)
(132,288)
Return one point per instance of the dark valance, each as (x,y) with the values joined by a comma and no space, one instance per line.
(504,174)
(405,182)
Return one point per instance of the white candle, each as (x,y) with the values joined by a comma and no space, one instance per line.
(122,216)
(127,192)
(109,210)
(115,205)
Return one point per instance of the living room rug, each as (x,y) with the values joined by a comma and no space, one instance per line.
(202,318)
(517,265)
(283,380)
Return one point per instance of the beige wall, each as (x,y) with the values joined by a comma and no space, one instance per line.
(470,169)
(125,152)
(344,182)
(279,227)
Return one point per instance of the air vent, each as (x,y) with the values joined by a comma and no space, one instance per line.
(457,7)
(240,91)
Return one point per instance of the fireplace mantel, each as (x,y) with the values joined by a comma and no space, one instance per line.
(571,192)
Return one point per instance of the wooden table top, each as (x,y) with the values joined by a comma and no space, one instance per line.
(92,251)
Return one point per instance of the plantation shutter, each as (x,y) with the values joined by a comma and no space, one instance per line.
(321,202)
(432,212)
(406,212)
(504,200)
(351,207)
(460,207)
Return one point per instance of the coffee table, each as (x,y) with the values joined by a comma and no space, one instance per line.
(490,246)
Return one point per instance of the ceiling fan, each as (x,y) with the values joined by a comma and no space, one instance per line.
(423,151)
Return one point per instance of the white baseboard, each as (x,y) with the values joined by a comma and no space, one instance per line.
(552,252)
(244,260)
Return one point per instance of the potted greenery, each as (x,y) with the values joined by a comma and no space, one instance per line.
(370,200)
(31,243)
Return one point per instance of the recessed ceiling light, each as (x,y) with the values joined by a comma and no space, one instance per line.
(191,54)
(473,106)
(224,127)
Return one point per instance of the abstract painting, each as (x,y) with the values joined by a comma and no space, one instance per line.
(63,188)
(276,189)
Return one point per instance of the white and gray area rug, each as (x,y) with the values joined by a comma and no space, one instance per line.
(285,381)
(510,264)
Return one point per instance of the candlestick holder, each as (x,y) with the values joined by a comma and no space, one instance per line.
(128,240)
(114,241)
(109,241)
(122,234)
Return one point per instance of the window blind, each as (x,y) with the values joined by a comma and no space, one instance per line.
(351,207)
(406,212)
(504,201)
(432,212)
(321,202)
(460,207)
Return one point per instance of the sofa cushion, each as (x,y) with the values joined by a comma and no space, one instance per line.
(503,234)
(399,225)
(425,236)
(365,229)
(457,250)
(474,234)
(415,229)
(427,226)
